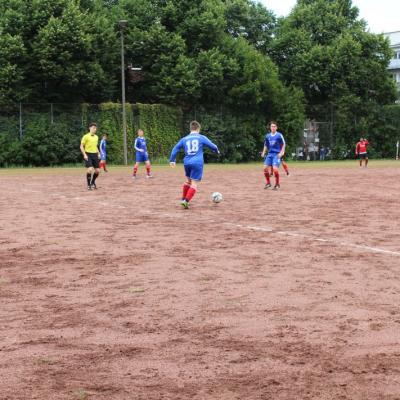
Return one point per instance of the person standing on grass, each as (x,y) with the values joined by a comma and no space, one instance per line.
(141,154)
(275,144)
(103,153)
(91,155)
(361,151)
(193,162)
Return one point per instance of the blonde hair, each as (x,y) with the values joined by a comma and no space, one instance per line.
(195,126)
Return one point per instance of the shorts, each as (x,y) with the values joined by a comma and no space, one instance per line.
(92,161)
(363,156)
(103,156)
(194,171)
(142,157)
(272,160)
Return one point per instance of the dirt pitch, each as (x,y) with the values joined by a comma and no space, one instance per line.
(120,294)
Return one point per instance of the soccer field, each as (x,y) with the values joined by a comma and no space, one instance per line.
(120,294)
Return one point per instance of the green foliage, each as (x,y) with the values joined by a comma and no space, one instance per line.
(324,49)
(55,142)
(319,62)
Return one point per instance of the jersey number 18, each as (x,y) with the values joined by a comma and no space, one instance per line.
(192,146)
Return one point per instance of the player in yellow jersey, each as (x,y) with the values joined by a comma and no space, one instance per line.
(91,155)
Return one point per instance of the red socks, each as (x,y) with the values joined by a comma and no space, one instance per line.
(148,169)
(135,171)
(285,167)
(276,173)
(185,189)
(190,193)
(266,174)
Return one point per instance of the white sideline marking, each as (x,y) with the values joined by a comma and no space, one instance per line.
(249,227)
(304,236)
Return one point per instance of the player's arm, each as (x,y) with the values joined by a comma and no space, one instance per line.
(212,146)
(357,147)
(264,152)
(283,148)
(265,149)
(136,147)
(85,157)
(174,153)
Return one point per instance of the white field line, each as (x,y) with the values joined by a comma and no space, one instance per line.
(312,238)
(246,227)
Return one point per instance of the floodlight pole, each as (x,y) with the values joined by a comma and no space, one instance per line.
(122,25)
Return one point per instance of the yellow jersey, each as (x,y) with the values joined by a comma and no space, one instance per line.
(90,143)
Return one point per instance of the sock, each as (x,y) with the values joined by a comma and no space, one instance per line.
(266,174)
(105,166)
(366,162)
(285,167)
(185,189)
(276,173)
(95,175)
(101,164)
(88,178)
(148,169)
(135,171)
(190,194)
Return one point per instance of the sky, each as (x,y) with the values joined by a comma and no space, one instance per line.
(381,15)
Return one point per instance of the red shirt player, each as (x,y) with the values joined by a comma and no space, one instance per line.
(361,151)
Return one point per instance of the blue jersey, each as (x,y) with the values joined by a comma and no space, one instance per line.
(103,148)
(274,143)
(140,145)
(193,145)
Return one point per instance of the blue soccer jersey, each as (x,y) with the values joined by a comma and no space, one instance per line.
(141,149)
(103,149)
(193,145)
(274,143)
(140,145)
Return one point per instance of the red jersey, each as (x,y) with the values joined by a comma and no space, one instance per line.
(361,147)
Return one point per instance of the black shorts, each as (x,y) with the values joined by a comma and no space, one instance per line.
(92,161)
(363,156)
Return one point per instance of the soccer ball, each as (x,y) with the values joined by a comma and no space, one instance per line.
(216,197)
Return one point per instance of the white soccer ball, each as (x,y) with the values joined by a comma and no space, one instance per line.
(216,197)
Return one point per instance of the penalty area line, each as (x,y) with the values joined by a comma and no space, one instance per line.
(312,238)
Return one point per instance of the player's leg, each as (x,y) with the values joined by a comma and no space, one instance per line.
(103,164)
(267,167)
(285,167)
(94,177)
(194,174)
(135,169)
(276,163)
(89,173)
(186,187)
(96,165)
(148,168)
(366,161)
(360,160)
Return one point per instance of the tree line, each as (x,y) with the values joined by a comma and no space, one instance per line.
(320,62)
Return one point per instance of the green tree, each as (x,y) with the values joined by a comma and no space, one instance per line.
(324,49)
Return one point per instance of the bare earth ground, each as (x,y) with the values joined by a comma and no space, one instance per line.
(120,294)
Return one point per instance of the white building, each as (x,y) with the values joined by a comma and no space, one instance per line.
(394,66)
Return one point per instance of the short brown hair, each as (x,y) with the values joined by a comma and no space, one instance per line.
(273,123)
(195,126)
(92,124)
